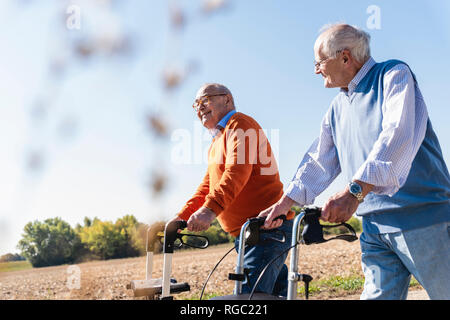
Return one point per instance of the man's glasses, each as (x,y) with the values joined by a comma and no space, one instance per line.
(318,64)
(205,101)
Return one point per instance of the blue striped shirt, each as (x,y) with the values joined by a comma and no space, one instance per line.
(404,125)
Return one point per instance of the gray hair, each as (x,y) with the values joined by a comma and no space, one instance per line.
(214,88)
(337,37)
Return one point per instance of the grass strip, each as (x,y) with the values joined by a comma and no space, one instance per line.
(334,286)
(338,285)
(14,266)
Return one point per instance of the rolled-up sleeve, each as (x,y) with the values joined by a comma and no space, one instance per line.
(403,130)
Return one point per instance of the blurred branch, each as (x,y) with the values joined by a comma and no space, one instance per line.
(100,35)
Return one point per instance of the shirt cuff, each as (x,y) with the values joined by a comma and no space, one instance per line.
(297,192)
(381,174)
(214,206)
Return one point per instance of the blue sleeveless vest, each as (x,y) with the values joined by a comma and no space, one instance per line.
(356,123)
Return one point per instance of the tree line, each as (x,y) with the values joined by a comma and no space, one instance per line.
(9,257)
(54,242)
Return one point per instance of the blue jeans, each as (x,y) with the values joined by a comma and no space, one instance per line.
(389,260)
(258,256)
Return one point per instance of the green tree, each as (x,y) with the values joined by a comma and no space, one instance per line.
(47,243)
(107,240)
(87,222)
(132,230)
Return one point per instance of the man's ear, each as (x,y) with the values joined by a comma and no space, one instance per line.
(228,100)
(346,55)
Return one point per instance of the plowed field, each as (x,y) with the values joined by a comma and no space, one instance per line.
(108,279)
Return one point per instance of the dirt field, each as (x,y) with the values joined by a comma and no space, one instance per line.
(108,279)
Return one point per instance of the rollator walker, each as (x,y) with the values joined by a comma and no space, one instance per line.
(312,232)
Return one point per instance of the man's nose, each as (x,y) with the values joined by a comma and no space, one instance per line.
(201,109)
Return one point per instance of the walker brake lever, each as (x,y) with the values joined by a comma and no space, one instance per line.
(182,242)
(171,235)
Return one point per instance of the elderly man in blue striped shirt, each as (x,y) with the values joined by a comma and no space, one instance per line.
(378,134)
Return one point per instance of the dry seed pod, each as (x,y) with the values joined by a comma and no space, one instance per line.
(210,6)
(172,78)
(158,183)
(177,17)
(157,125)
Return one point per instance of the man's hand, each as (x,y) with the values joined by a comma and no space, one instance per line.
(201,219)
(341,206)
(279,208)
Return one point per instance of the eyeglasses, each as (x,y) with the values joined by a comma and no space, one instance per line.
(318,64)
(205,100)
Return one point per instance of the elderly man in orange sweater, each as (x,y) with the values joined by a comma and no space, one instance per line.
(242,180)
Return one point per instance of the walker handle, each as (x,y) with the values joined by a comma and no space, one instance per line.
(313,230)
(254,229)
(171,233)
(260,220)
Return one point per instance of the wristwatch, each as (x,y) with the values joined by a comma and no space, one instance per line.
(356,190)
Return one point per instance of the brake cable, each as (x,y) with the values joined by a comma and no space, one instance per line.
(252,238)
(312,233)
(265,268)
(214,269)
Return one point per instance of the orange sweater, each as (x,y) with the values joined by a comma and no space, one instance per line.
(242,177)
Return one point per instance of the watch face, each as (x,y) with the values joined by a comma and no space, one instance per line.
(355,188)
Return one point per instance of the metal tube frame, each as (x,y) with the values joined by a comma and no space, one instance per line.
(293,275)
(149,261)
(167,270)
(240,258)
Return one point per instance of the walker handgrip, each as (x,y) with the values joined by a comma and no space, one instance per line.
(254,229)
(313,211)
(171,233)
(180,224)
(260,221)
(313,230)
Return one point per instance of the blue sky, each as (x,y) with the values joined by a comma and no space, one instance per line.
(262,50)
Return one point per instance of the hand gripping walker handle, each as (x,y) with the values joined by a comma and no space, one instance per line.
(313,230)
(171,234)
(260,221)
(253,231)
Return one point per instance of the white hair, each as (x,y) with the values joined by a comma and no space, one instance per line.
(337,37)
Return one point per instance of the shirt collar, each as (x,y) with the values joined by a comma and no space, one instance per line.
(359,76)
(222,123)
